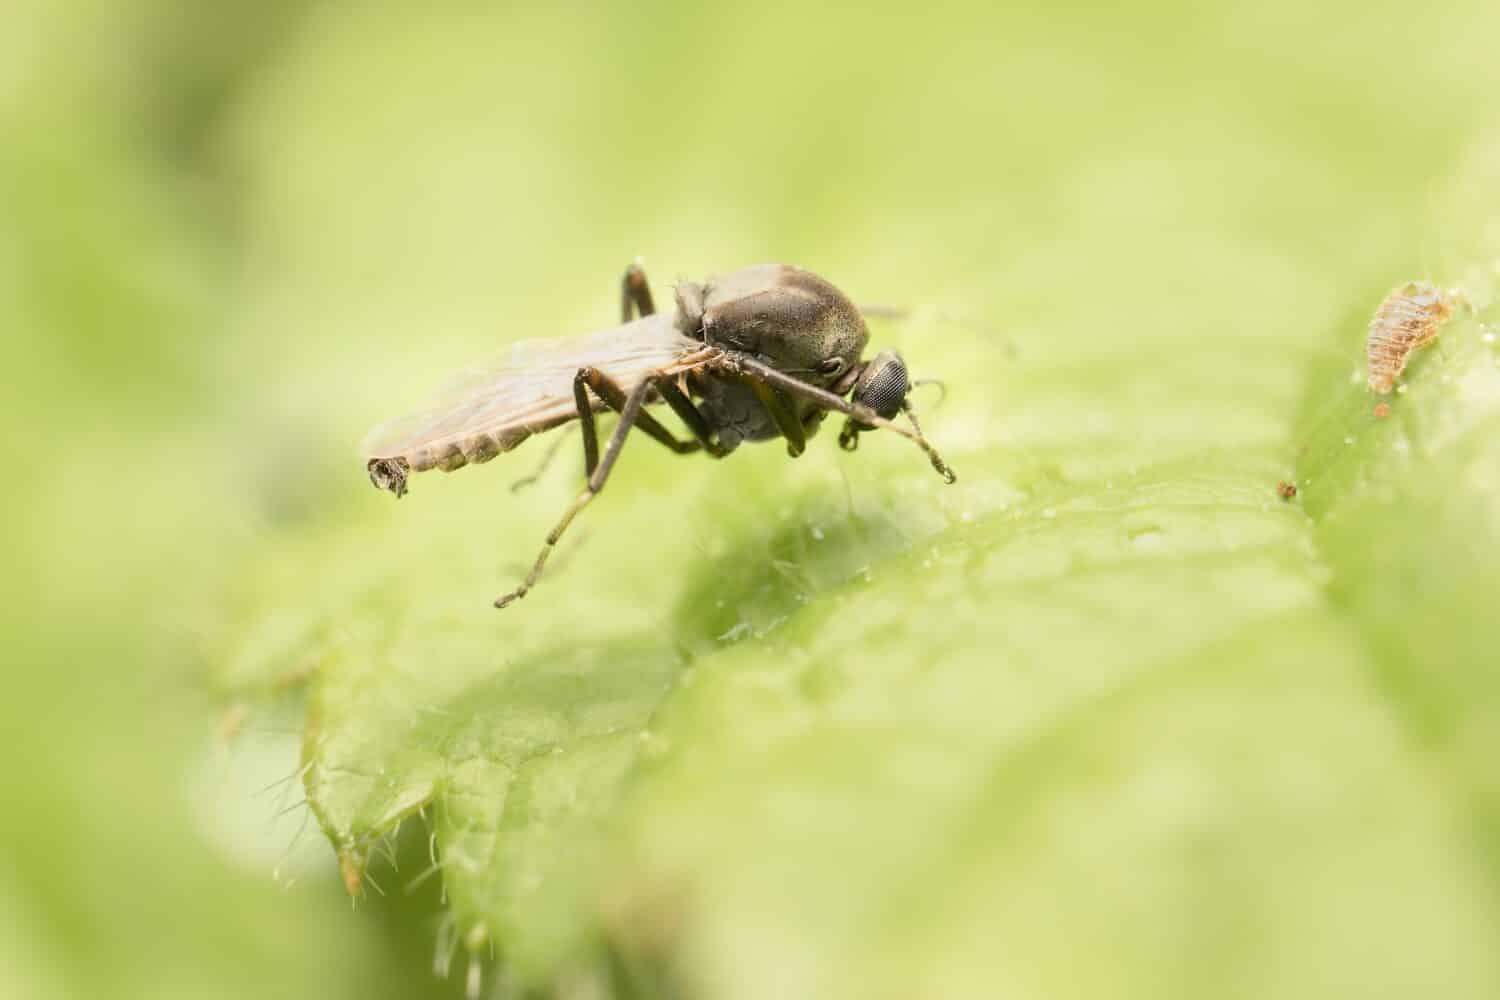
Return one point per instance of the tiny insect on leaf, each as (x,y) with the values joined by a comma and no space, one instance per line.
(1410,317)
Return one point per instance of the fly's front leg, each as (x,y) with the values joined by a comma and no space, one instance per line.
(822,397)
(782,414)
(630,412)
(635,291)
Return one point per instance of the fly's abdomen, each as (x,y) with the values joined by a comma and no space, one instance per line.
(389,471)
(735,413)
(471,450)
(1411,316)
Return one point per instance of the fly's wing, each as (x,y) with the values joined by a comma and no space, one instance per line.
(485,411)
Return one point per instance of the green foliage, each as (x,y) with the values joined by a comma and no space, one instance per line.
(1106,718)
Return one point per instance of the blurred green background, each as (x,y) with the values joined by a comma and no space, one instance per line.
(1105,719)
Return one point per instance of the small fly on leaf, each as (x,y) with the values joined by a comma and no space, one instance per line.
(761,353)
(1286,490)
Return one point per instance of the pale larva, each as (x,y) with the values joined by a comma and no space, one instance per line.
(1411,316)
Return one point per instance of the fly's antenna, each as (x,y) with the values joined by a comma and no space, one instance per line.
(849,437)
(942,387)
(924,444)
(881,310)
(911,414)
(881,389)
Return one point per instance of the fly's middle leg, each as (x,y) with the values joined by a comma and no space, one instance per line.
(690,415)
(592,380)
(635,291)
(630,413)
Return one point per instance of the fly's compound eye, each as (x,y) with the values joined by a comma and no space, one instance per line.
(883,385)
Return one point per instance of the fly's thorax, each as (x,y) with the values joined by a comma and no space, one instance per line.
(790,318)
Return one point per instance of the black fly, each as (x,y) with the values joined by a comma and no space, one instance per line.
(760,353)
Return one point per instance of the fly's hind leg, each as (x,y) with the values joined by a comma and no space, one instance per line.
(596,467)
(630,412)
(635,296)
(541,467)
(635,291)
(614,396)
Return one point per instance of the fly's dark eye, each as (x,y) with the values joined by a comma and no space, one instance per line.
(833,366)
(884,389)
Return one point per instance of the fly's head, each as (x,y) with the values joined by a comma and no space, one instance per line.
(880,384)
(786,317)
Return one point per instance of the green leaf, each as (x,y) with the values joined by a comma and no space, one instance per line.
(1109,717)
(838,741)
(1408,514)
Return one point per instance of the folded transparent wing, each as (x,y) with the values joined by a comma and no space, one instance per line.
(487,410)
